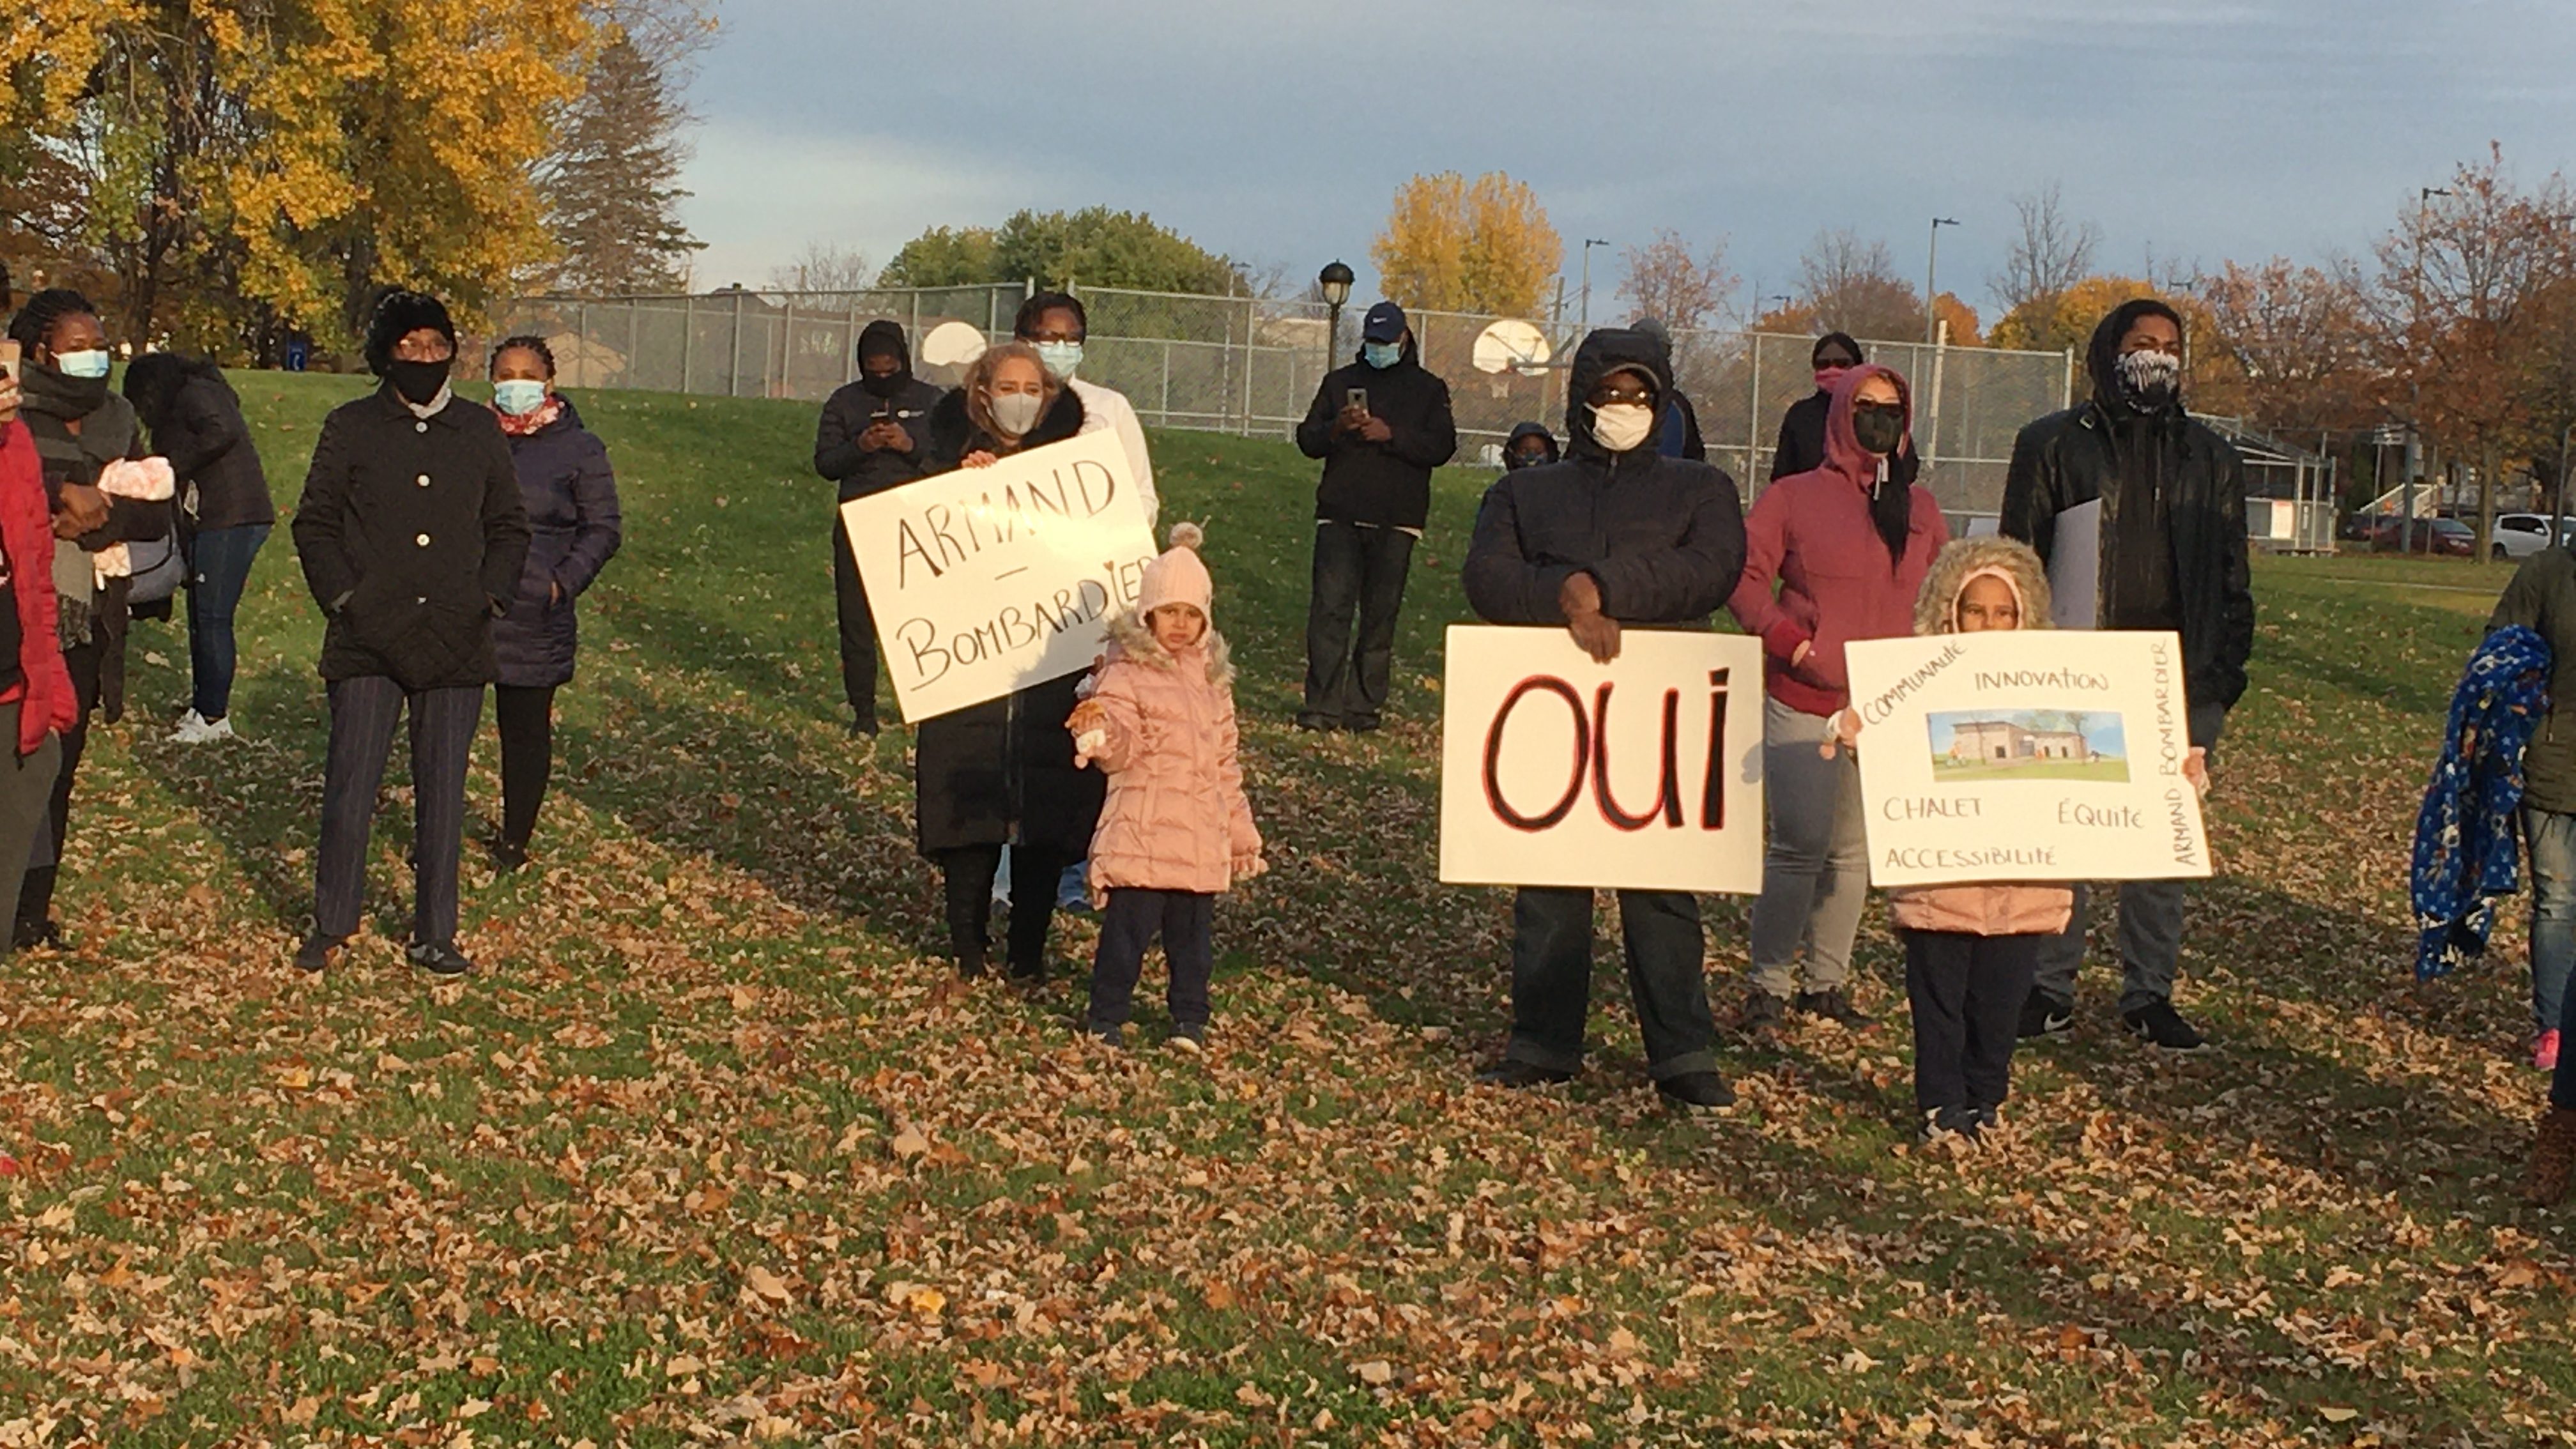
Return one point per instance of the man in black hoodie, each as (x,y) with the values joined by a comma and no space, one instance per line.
(1616,536)
(1380,424)
(870,438)
(2170,541)
(1677,426)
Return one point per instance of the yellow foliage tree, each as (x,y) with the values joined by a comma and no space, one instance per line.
(1451,245)
(263,165)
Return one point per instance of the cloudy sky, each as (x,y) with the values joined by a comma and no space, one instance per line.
(2191,131)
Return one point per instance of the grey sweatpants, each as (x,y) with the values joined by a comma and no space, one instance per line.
(2151,913)
(1815,879)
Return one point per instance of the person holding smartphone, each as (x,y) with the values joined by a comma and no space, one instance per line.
(870,438)
(1381,424)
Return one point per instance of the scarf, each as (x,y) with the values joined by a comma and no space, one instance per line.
(2467,851)
(534,423)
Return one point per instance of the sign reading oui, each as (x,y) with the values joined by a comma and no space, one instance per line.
(1644,773)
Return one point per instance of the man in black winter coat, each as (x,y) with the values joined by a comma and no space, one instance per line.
(1380,424)
(871,437)
(2168,494)
(1616,536)
(412,533)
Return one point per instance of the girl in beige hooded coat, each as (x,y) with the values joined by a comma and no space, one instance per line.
(1177,830)
(1971,950)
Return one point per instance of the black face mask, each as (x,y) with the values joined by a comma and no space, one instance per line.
(418,383)
(1878,427)
(57,392)
(886,386)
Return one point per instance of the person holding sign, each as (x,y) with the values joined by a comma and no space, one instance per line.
(1177,830)
(1615,536)
(2139,512)
(1002,772)
(1381,424)
(1832,555)
(870,438)
(1970,950)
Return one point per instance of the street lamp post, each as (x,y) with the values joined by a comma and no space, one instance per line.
(2406,520)
(1931,281)
(1583,321)
(1334,283)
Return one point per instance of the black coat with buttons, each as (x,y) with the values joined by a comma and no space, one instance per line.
(412,534)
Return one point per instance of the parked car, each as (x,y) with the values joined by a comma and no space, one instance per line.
(2443,537)
(2520,535)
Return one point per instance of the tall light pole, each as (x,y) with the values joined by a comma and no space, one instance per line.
(1932,281)
(1583,321)
(2406,520)
(1334,284)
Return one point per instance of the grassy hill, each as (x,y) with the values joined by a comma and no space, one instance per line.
(710,1150)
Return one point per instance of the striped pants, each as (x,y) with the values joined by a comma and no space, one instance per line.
(364,712)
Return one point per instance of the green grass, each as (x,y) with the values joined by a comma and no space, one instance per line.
(710,1151)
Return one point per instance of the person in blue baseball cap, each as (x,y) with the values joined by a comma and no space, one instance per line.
(1381,424)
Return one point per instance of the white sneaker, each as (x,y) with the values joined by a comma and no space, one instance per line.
(195,729)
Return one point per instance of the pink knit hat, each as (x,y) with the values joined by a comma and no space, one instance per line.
(1178,577)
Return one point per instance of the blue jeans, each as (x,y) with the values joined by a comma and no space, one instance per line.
(219,566)
(2551,839)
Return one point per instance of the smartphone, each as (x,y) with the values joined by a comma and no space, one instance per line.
(9,370)
(1356,399)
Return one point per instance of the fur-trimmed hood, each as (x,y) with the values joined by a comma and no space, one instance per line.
(1131,638)
(1936,608)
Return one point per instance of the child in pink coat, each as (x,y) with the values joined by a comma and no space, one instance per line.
(1176,830)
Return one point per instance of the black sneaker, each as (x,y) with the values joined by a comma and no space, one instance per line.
(1362,724)
(508,856)
(2159,1023)
(863,727)
(1190,1036)
(1834,1006)
(1320,723)
(1108,1034)
(2046,1015)
(1697,1089)
(44,935)
(1516,1075)
(1763,1013)
(1961,1125)
(315,952)
(439,959)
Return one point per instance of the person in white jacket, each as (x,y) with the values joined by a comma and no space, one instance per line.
(1055,324)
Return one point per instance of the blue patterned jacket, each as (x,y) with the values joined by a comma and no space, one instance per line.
(2468,854)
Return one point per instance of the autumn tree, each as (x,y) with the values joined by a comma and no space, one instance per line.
(1452,245)
(1849,285)
(2049,253)
(611,182)
(1684,289)
(2459,303)
(822,267)
(250,166)
(2295,347)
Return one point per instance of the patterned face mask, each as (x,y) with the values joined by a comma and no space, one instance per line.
(2150,378)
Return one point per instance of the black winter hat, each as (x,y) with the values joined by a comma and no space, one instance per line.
(400,313)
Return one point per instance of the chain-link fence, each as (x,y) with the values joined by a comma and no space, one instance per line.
(1253,366)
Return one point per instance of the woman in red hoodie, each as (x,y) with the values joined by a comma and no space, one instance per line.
(1832,555)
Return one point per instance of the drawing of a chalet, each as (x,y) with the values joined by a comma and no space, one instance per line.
(1992,740)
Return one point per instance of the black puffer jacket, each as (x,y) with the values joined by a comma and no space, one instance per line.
(848,412)
(1663,537)
(574,528)
(1387,483)
(2073,457)
(981,771)
(412,534)
(197,424)
(1801,445)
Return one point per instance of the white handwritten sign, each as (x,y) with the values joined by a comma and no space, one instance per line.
(986,580)
(1641,774)
(2026,754)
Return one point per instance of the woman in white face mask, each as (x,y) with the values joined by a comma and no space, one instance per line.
(1001,772)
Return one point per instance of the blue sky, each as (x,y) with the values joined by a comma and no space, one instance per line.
(2190,130)
(2103,729)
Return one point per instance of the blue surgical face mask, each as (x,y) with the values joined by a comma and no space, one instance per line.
(519,396)
(1061,358)
(91,364)
(1381,354)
